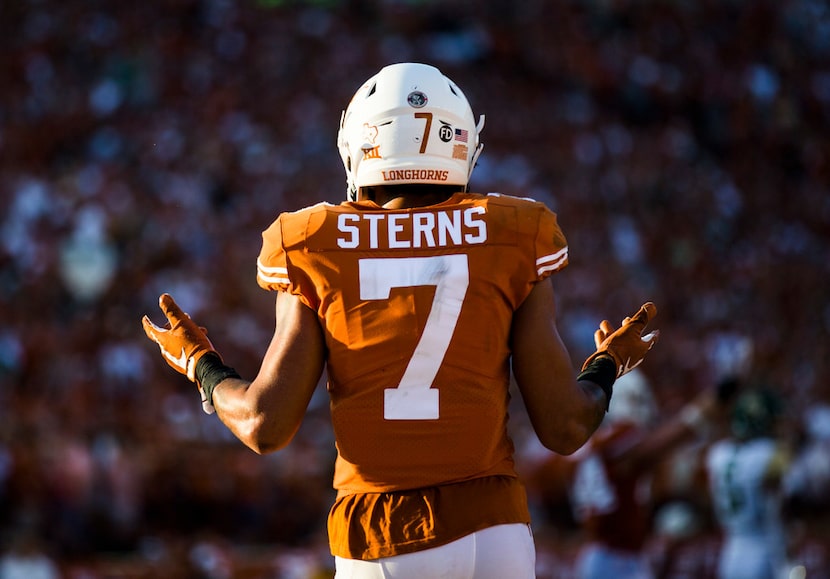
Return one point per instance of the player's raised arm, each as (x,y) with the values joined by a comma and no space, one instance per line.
(183,344)
(264,413)
(566,409)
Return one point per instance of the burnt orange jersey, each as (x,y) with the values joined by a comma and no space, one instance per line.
(416,306)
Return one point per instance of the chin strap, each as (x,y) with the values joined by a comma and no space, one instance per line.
(479,148)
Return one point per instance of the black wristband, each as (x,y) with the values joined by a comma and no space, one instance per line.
(210,371)
(602,371)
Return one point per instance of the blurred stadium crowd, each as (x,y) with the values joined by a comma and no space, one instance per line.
(144,146)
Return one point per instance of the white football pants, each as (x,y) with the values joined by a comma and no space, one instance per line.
(494,553)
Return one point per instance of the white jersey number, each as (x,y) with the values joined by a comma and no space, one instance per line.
(414,398)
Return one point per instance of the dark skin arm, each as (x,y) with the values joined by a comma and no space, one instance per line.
(266,413)
(564,412)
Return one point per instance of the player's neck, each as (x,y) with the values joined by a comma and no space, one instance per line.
(403,197)
(412,201)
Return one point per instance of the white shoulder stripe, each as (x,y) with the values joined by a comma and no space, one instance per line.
(272,274)
(553,256)
(273,279)
(270,269)
(552,267)
(551,262)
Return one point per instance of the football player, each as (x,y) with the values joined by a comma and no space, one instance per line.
(418,298)
(746,472)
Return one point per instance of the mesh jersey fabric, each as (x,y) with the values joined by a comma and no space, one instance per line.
(416,306)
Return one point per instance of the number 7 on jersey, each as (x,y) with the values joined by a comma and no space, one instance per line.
(414,398)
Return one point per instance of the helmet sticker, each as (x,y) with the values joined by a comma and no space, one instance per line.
(370,133)
(459,152)
(371,153)
(445,133)
(369,148)
(417,99)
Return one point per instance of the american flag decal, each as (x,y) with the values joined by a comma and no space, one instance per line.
(461,135)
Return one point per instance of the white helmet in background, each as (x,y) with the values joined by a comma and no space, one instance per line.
(408,124)
(632,400)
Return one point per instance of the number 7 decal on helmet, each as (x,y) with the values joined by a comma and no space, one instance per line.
(414,398)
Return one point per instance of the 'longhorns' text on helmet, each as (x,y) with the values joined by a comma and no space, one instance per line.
(408,124)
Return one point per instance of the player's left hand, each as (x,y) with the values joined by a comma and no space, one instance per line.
(181,341)
(626,345)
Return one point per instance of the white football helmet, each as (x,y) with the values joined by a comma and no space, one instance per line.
(408,124)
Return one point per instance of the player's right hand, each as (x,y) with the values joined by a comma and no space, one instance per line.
(626,345)
(181,341)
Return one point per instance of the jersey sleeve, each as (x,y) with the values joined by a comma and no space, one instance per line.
(275,269)
(271,265)
(551,246)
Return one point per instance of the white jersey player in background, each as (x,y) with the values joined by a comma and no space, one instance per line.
(745,473)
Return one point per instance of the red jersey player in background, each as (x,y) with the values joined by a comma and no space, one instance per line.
(418,299)
(607,482)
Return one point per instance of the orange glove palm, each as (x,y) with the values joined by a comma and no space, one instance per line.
(181,341)
(626,345)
